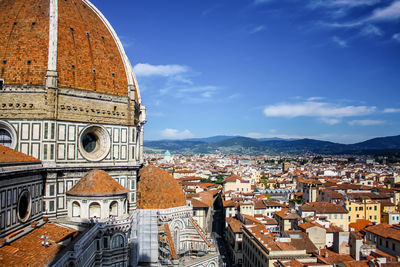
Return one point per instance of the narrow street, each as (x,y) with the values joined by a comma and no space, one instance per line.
(218,228)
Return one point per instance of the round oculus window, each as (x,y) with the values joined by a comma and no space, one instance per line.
(94,143)
(24,206)
(5,138)
(7,135)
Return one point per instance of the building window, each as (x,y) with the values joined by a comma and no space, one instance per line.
(105,242)
(114,208)
(5,138)
(375,207)
(51,190)
(46,130)
(393,246)
(349,208)
(76,209)
(117,241)
(94,210)
(95,143)
(51,205)
(24,206)
(7,135)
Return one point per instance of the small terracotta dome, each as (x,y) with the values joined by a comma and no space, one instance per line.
(97,183)
(157,189)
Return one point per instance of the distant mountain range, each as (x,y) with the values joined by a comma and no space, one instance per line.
(252,146)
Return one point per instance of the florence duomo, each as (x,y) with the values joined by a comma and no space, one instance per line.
(201,133)
(74,190)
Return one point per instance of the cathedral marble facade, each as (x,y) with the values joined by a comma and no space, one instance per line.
(71,149)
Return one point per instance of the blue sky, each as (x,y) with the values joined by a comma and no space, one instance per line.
(323,69)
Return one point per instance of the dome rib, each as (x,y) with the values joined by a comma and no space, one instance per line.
(70,42)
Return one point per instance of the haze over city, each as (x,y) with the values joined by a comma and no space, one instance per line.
(326,70)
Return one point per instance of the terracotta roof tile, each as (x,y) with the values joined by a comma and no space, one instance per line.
(28,250)
(233,177)
(310,224)
(324,207)
(360,224)
(97,183)
(8,155)
(171,242)
(198,204)
(234,224)
(157,189)
(385,231)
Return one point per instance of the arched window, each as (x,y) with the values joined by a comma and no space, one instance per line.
(114,208)
(94,210)
(76,209)
(5,138)
(117,241)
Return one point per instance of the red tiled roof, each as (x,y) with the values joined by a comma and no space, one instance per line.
(28,250)
(234,224)
(310,224)
(385,231)
(233,177)
(324,207)
(170,242)
(157,189)
(360,224)
(97,183)
(228,203)
(198,204)
(8,155)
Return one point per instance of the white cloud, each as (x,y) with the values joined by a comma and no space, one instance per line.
(176,134)
(365,122)
(391,12)
(144,69)
(340,42)
(371,30)
(396,37)
(331,121)
(206,88)
(316,109)
(391,110)
(256,29)
(341,3)
(314,98)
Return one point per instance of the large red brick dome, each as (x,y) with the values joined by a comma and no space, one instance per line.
(84,48)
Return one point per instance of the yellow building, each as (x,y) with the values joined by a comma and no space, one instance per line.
(367,209)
